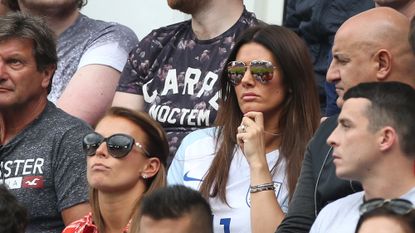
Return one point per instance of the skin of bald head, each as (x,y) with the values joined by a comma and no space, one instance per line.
(387,29)
(372,46)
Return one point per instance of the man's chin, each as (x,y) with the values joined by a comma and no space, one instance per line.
(339,102)
(343,175)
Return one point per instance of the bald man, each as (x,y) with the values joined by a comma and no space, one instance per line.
(406,7)
(371,46)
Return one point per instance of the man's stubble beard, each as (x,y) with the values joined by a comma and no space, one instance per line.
(188,6)
(51,10)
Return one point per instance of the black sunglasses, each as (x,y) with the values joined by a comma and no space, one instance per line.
(262,71)
(118,145)
(398,206)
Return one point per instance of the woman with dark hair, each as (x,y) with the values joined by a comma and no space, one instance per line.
(126,159)
(386,216)
(249,164)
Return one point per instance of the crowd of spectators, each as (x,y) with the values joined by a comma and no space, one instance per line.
(219,123)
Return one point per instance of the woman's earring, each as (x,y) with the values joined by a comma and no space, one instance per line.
(144,176)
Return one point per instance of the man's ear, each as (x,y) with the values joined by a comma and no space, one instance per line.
(387,138)
(47,75)
(383,59)
(152,167)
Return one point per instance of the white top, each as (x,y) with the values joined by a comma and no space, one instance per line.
(99,56)
(193,160)
(342,215)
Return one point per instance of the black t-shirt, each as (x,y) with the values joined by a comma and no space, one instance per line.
(177,75)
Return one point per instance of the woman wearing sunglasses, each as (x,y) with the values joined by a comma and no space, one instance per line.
(126,158)
(386,216)
(248,165)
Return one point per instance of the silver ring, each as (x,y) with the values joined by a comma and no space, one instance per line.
(243,128)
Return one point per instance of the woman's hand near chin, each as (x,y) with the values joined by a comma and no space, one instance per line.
(250,138)
(266,212)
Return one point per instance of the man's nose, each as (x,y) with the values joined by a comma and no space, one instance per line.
(333,73)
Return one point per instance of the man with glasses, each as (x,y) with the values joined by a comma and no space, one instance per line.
(372,144)
(41,157)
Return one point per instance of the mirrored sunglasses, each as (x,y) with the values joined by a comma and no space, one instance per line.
(398,206)
(118,145)
(262,71)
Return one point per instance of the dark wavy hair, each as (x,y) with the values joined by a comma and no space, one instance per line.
(299,112)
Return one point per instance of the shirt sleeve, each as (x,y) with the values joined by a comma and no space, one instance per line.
(70,169)
(139,63)
(100,56)
(175,173)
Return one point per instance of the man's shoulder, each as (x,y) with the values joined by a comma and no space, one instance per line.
(197,143)
(166,33)
(94,29)
(348,201)
(199,137)
(58,120)
(173,27)
(96,24)
(115,28)
(341,214)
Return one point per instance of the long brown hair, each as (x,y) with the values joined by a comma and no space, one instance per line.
(155,143)
(300,111)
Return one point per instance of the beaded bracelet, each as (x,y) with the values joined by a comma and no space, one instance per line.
(262,187)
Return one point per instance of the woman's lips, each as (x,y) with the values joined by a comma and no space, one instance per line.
(249,96)
(99,167)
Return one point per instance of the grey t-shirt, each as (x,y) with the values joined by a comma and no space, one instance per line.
(83,36)
(45,168)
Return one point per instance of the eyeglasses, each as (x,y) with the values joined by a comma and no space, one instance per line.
(262,71)
(398,206)
(118,145)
